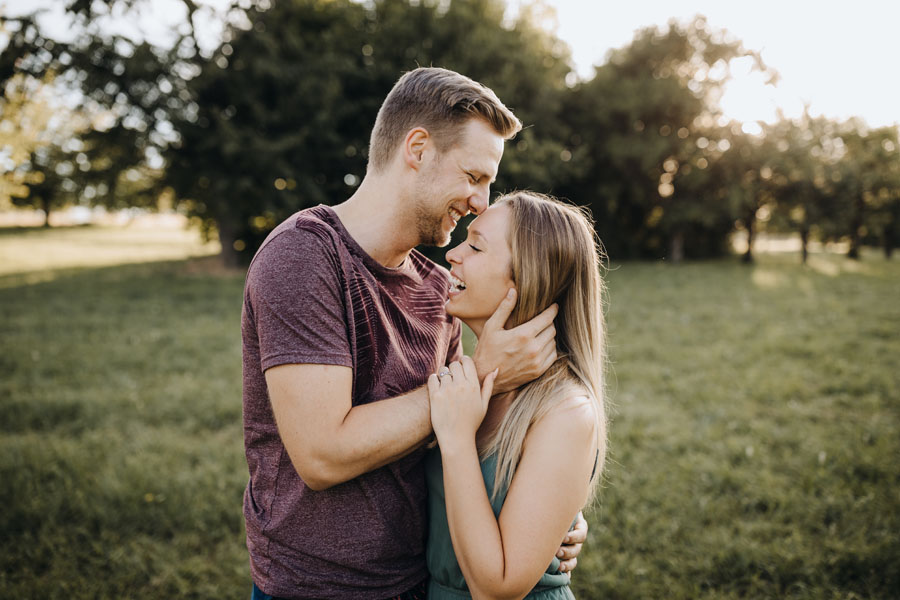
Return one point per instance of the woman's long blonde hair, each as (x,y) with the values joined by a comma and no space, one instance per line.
(556,257)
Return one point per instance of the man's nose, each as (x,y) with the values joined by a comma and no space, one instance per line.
(478,201)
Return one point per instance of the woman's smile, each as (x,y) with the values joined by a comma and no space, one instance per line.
(480,274)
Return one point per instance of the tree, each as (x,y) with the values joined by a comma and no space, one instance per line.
(647,129)
(868,182)
(801,155)
(285,107)
(740,174)
(884,197)
(37,137)
(128,91)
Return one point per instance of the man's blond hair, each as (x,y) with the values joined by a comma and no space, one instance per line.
(440,101)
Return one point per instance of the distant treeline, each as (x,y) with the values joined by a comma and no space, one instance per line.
(277,118)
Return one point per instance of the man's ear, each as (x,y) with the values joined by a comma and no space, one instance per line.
(415,144)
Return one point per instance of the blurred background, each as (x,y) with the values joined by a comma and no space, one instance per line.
(743,167)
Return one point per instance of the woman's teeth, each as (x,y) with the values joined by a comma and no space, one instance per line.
(456,285)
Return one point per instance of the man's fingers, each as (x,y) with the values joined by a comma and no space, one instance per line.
(545,348)
(541,322)
(548,359)
(500,316)
(568,552)
(547,337)
(566,566)
(578,533)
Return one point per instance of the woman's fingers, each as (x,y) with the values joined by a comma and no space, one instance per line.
(488,386)
(433,385)
(469,369)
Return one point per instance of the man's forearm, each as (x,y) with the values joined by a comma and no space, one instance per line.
(370,436)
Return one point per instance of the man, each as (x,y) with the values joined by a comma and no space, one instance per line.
(342,324)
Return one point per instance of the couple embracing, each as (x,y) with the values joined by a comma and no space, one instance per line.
(353,366)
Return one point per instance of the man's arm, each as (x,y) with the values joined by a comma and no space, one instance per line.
(329,440)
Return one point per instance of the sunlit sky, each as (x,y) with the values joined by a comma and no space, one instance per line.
(838,56)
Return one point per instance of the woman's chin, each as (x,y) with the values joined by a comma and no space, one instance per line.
(450,308)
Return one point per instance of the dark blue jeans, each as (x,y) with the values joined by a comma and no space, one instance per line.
(258,594)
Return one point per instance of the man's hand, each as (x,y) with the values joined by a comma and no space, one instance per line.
(523,353)
(571,548)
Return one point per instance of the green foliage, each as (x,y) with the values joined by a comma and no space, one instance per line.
(637,125)
(754,430)
(130,92)
(286,107)
(277,118)
(840,179)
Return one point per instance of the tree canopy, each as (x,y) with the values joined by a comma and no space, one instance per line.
(276,116)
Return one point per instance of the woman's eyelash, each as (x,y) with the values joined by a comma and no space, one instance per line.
(474,248)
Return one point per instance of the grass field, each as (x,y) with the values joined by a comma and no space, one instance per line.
(755,442)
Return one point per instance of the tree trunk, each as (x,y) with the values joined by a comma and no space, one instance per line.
(230,256)
(676,247)
(750,223)
(804,243)
(855,227)
(890,232)
(45,206)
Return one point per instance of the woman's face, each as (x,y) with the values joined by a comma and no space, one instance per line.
(480,269)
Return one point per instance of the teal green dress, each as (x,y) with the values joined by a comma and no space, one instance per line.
(447,581)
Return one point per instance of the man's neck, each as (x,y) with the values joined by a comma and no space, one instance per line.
(373,217)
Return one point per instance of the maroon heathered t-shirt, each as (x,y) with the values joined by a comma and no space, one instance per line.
(312,295)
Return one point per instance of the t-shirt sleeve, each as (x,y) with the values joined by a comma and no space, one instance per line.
(296,294)
(455,351)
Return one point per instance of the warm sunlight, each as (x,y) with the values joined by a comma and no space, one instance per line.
(830,55)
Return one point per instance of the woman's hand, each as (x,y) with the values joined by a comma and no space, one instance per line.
(458,402)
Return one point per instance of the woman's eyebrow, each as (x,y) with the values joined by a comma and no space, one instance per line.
(474,231)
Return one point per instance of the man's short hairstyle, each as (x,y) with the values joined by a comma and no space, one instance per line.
(441,101)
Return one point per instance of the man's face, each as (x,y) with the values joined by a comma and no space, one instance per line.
(457,182)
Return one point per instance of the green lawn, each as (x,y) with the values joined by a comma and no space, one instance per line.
(755,442)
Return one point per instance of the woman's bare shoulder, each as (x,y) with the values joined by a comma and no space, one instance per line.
(572,414)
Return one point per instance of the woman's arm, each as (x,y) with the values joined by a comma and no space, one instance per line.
(505,557)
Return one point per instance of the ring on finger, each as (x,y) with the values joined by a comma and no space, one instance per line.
(443,372)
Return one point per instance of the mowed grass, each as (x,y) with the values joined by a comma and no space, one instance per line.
(755,450)
(121,455)
(755,441)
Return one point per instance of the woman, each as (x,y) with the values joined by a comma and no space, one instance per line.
(511,471)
